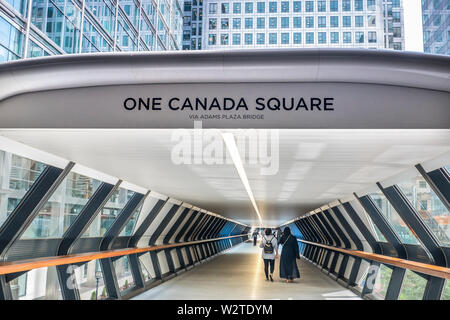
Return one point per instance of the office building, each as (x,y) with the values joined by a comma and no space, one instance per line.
(436,26)
(372,24)
(73,26)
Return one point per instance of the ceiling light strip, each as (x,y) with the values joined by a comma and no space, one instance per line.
(234,153)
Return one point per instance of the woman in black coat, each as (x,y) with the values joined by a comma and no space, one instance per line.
(289,254)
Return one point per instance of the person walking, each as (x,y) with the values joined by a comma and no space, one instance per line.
(289,254)
(255,237)
(278,233)
(269,245)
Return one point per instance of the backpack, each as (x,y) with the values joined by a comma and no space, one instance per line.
(268,246)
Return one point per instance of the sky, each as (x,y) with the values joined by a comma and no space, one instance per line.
(413,25)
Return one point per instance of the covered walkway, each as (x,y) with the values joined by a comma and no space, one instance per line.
(110,187)
(238,274)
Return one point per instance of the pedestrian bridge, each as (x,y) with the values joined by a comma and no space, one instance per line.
(109,189)
(240,275)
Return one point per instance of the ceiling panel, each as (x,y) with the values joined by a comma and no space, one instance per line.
(313,167)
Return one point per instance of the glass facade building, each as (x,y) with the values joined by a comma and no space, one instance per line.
(192,24)
(373,24)
(436,26)
(46,27)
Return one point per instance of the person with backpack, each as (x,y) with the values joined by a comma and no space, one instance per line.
(289,254)
(269,244)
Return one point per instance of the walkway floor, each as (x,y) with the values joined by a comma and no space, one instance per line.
(239,274)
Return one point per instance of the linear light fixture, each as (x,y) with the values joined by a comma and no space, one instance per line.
(234,153)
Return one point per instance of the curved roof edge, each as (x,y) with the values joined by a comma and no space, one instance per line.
(407,69)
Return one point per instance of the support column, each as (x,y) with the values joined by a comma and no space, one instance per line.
(108,270)
(26,211)
(75,231)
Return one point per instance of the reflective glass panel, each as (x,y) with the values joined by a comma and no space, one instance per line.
(129,227)
(382,281)
(430,208)
(123,273)
(63,207)
(89,281)
(146,267)
(37,284)
(393,218)
(446,291)
(413,286)
(367,221)
(109,213)
(17,175)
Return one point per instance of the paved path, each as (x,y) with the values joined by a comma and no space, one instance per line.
(239,274)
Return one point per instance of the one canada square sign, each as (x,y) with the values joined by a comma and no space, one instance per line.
(253,89)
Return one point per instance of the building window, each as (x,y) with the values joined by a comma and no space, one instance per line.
(322,22)
(284,6)
(225,7)
(346,5)
(322,6)
(371,6)
(396,17)
(347,21)
(261,7)
(334,21)
(272,23)
(309,6)
(347,37)
(334,37)
(225,23)
(437,20)
(285,38)
(236,39)
(358,5)
(260,38)
(297,38)
(285,22)
(322,37)
(272,7)
(359,21)
(248,38)
(372,37)
(297,22)
(212,24)
(236,7)
(334,6)
(309,21)
(213,8)
(371,21)
(260,23)
(297,6)
(310,37)
(272,38)
(248,23)
(249,7)
(236,23)
(186,35)
(359,37)
(212,39)
(224,39)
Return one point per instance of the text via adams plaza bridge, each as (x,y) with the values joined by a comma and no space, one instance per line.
(229,104)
